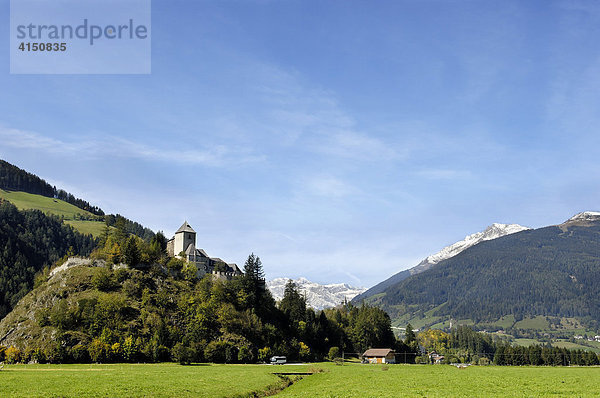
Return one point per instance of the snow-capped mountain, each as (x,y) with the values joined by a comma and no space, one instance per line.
(585,216)
(494,231)
(317,296)
(554,264)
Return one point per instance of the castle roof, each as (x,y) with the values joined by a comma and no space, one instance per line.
(185,228)
(191,249)
(235,268)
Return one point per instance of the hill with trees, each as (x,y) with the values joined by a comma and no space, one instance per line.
(494,231)
(36,221)
(13,178)
(40,224)
(551,272)
(131,302)
(29,242)
(28,191)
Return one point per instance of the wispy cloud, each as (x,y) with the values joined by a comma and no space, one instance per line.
(216,155)
(444,174)
(300,114)
(21,139)
(329,186)
(212,156)
(359,146)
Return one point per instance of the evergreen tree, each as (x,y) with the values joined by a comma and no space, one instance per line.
(121,232)
(160,241)
(105,235)
(132,252)
(410,335)
(253,268)
(254,281)
(293,303)
(500,357)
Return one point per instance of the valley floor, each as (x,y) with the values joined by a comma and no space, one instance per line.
(351,380)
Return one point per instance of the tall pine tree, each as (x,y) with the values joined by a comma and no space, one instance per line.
(254,280)
(293,303)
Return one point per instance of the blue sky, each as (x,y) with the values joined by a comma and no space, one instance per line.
(342,141)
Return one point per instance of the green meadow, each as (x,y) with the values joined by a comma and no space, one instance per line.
(350,380)
(71,214)
(135,380)
(448,381)
(94,228)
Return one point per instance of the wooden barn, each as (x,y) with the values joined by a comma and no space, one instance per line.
(379,355)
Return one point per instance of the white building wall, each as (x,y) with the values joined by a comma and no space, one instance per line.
(182,241)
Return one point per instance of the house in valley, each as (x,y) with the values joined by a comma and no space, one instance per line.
(435,358)
(379,355)
(183,245)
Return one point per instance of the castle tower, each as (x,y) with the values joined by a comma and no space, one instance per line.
(184,237)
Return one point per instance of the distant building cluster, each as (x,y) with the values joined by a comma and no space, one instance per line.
(183,245)
(595,338)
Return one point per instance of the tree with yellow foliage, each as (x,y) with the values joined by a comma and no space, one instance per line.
(434,340)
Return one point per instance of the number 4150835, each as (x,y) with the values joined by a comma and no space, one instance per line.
(43,46)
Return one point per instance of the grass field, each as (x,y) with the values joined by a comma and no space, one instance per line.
(88,227)
(125,380)
(447,381)
(505,321)
(525,342)
(70,213)
(588,345)
(353,380)
(502,323)
(537,323)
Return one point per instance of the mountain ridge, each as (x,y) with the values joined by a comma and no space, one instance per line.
(551,272)
(318,296)
(493,231)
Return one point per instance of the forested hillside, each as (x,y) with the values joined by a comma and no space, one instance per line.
(131,227)
(494,231)
(30,241)
(464,345)
(37,236)
(101,312)
(552,271)
(13,178)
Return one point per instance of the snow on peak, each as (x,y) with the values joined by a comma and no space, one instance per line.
(586,216)
(317,296)
(496,230)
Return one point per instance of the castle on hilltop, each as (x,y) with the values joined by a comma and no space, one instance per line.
(183,245)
